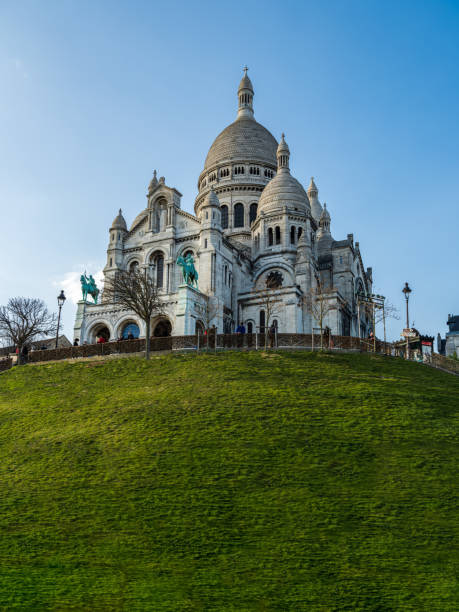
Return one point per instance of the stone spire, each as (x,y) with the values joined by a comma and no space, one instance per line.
(153,183)
(283,155)
(245,96)
(324,237)
(313,193)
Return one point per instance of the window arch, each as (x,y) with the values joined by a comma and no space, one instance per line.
(278,235)
(270,237)
(262,321)
(133,267)
(239,215)
(300,231)
(157,259)
(292,235)
(224,216)
(253,213)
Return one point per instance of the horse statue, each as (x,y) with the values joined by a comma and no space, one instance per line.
(190,274)
(89,287)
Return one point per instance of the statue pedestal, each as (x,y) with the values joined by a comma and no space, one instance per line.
(78,328)
(189,309)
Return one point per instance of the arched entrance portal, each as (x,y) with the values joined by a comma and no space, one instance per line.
(162,329)
(102,331)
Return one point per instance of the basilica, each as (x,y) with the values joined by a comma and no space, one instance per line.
(261,243)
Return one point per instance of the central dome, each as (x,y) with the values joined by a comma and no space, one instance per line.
(245,139)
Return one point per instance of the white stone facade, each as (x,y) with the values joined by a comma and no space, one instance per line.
(252,220)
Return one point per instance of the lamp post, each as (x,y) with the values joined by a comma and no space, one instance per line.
(406,290)
(60,301)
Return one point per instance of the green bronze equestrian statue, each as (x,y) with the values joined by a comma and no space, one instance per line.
(89,287)
(190,274)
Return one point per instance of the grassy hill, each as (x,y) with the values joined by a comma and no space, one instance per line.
(287,481)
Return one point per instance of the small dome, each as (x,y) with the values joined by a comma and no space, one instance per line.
(316,207)
(211,199)
(325,216)
(283,189)
(119,222)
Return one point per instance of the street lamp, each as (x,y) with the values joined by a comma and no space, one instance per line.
(60,303)
(406,290)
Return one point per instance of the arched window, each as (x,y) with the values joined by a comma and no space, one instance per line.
(250,327)
(270,237)
(225,217)
(278,235)
(134,267)
(158,260)
(262,321)
(239,215)
(253,213)
(300,231)
(292,234)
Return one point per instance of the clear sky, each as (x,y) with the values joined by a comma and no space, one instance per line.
(95,95)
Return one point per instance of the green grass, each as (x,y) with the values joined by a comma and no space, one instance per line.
(289,481)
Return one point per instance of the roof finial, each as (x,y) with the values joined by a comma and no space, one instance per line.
(120,212)
(245,70)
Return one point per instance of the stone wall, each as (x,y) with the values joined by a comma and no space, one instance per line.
(5,364)
(445,363)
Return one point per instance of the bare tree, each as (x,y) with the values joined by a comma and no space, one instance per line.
(318,304)
(23,320)
(209,311)
(135,291)
(270,303)
(381,314)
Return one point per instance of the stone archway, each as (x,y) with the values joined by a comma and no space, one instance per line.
(100,329)
(162,328)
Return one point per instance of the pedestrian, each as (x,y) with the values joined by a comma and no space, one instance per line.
(76,342)
(240,331)
(24,353)
(130,336)
(101,340)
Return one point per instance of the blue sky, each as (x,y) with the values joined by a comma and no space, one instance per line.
(95,95)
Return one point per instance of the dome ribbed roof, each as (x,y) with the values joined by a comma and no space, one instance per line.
(119,222)
(245,139)
(283,189)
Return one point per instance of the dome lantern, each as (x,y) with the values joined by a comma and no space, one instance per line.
(283,155)
(245,97)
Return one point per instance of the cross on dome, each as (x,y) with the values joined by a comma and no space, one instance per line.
(245,70)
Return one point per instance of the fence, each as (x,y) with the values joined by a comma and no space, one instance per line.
(211,341)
